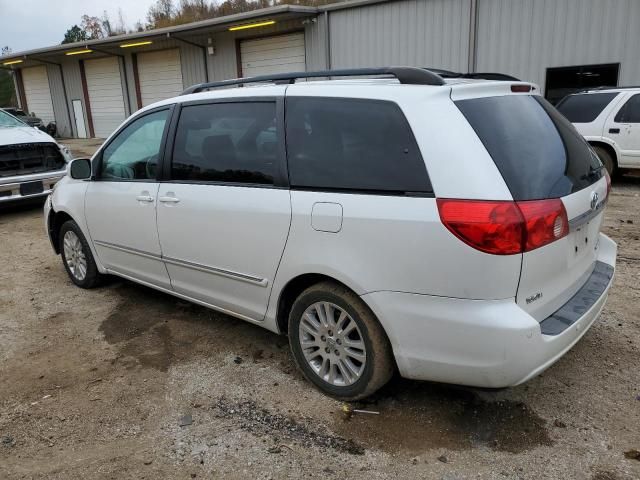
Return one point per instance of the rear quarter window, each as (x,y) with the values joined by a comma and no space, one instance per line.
(352,144)
(585,108)
(537,150)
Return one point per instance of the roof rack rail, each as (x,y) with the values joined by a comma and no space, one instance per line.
(406,75)
(475,75)
(605,87)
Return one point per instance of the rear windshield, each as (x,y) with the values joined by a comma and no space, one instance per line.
(585,108)
(538,152)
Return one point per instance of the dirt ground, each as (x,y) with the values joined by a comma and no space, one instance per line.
(124,382)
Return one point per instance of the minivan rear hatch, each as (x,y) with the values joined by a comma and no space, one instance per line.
(541,156)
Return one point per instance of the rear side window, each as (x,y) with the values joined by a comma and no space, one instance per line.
(630,112)
(352,144)
(537,150)
(585,108)
(226,142)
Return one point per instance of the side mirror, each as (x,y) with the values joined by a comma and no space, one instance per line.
(80,169)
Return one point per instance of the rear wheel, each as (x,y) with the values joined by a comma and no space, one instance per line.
(77,257)
(606,159)
(337,342)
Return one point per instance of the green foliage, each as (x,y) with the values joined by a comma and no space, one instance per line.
(75,34)
(7,92)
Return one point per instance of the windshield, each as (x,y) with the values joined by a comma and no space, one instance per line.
(538,152)
(7,120)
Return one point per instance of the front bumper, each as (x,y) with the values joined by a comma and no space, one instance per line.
(483,343)
(10,190)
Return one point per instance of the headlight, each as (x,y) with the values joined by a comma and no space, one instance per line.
(66,152)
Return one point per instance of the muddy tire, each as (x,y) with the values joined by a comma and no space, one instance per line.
(77,257)
(607,160)
(338,343)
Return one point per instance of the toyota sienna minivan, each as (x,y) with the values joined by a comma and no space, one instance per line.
(446,229)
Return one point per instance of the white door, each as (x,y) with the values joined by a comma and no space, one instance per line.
(624,128)
(38,93)
(278,54)
(160,75)
(78,115)
(120,204)
(222,223)
(105,95)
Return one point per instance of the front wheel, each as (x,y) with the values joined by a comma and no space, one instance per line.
(77,257)
(337,342)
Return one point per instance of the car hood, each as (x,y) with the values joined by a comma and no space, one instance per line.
(14,135)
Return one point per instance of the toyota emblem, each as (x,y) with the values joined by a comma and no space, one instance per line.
(594,200)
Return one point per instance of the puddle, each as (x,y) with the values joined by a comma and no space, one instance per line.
(417,416)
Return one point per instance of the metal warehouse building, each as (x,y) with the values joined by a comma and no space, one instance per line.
(88,88)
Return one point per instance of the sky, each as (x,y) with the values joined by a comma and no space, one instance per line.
(28,24)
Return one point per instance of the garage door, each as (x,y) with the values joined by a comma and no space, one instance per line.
(160,75)
(280,54)
(105,94)
(38,93)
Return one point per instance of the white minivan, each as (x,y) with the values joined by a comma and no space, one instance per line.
(449,230)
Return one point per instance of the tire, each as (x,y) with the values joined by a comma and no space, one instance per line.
(87,277)
(351,379)
(607,160)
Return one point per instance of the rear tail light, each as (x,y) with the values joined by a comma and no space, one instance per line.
(505,227)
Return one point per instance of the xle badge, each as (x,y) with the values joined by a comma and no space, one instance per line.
(533,298)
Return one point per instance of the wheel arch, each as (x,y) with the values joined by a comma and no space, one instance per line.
(609,147)
(294,287)
(56,220)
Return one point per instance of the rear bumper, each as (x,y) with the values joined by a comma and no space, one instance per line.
(10,190)
(484,343)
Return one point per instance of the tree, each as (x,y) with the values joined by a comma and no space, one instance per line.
(75,34)
(7,91)
(160,14)
(93,27)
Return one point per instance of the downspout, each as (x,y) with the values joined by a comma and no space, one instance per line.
(327,40)
(64,89)
(194,44)
(473,37)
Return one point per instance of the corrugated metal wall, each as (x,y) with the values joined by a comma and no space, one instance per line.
(60,111)
(73,83)
(315,44)
(525,37)
(433,33)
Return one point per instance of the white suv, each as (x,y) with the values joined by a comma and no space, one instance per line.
(609,119)
(449,230)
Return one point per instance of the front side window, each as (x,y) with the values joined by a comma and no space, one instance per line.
(352,144)
(630,112)
(133,153)
(226,142)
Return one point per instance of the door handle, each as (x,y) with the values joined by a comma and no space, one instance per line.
(614,130)
(144,198)
(169,199)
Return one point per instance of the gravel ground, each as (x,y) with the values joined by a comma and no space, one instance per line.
(124,382)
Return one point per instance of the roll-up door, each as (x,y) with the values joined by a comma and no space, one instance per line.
(160,75)
(38,93)
(277,54)
(104,86)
